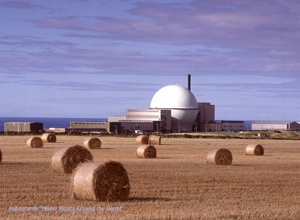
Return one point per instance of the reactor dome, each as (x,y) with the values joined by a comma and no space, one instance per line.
(179,100)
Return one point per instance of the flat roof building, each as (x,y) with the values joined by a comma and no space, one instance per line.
(35,127)
(275,125)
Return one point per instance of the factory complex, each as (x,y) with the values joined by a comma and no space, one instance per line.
(173,109)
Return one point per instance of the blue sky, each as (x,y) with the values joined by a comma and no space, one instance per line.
(94,58)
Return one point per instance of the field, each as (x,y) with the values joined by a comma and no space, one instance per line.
(178,184)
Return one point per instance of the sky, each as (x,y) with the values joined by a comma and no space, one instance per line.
(95,58)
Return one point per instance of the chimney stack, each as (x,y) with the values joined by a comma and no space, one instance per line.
(189,82)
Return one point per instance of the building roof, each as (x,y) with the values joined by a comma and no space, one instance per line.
(273,122)
(174,97)
(221,121)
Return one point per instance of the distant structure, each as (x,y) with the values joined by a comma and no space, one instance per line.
(93,127)
(57,130)
(205,116)
(220,125)
(173,108)
(33,127)
(275,125)
(181,102)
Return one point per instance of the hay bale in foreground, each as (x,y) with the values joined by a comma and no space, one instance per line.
(92,143)
(49,137)
(154,140)
(142,139)
(254,150)
(219,157)
(100,181)
(35,142)
(146,151)
(66,159)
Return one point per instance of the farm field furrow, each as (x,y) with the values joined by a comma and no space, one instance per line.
(177,184)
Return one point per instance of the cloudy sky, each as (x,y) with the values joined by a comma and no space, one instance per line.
(94,58)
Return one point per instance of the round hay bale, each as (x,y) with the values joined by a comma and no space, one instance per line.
(49,137)
(100,181)
(146,151)
(35,142)
(66,159)
(92,143)
(262,135)
(142,139)
(219,157)
(254,150)
(154,140)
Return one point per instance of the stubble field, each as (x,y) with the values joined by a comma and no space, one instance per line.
(178,184)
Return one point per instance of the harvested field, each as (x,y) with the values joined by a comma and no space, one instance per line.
(178,184)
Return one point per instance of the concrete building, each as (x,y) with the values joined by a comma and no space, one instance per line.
(34,127)
(95,126)
(147,120)
(221,125)
(174,108)
(181,102)
(205,115)
(116,118)
(275,125)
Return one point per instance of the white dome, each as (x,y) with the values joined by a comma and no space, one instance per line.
(179,100)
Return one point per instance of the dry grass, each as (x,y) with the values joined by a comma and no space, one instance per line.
(178,184)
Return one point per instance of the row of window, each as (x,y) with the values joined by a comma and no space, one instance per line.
(16,123)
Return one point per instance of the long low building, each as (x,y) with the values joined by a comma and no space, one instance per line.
(275,125)
(34,127)
(94,126)
(221,125)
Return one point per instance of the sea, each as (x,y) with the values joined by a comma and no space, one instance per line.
(47,122)
(65,122)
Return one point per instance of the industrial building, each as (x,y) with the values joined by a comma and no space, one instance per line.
(147,120)
(173,108)
(94,126)
(275,125)
(33,127)
(220,125)
(181,102)
(206,114)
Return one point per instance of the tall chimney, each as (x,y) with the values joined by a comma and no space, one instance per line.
(189,82)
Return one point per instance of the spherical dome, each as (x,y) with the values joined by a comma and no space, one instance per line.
(179,100)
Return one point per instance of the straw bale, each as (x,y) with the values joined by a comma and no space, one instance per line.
(66,159)
(92,143)
(49,137)
(154,140)
(262,135)
(100,181)
(35,142)
(219,157)
(146,151)
(254,150)
(142,139)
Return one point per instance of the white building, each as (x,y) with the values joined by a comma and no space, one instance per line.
(181,102)
(275,125)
